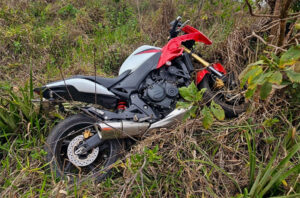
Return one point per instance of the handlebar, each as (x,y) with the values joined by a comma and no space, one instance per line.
(173,31)
(176,27)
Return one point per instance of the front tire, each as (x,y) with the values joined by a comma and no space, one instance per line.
(231,108)
(57,147)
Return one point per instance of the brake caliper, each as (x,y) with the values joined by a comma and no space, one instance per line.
(219,83)
(87,133)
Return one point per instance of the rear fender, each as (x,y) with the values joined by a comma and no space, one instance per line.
(200,75)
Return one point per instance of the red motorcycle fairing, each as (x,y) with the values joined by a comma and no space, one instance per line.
(172,49)
(200,75)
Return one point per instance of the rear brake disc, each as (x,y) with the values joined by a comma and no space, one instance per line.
(82,159)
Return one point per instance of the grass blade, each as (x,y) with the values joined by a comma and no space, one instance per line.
(216,167)
(281,174)
(255,184)
(288,196)
(292,152)
(31,83)
(266,173)
(251,150)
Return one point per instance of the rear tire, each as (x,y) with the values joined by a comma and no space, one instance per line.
(57,145)
(231,109)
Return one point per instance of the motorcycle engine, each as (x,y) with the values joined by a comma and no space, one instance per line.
(160,89)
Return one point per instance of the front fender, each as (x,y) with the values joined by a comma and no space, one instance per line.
(200,75)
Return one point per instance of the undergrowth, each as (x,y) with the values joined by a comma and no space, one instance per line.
(255,155)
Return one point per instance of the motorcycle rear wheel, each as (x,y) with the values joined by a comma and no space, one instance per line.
(57,146)
(231,108)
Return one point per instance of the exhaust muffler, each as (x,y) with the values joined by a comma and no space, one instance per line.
(124,129)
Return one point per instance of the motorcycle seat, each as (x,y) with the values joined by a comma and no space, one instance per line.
(106,82)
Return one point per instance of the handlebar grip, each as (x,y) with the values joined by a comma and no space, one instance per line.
(173,32)
(177,20)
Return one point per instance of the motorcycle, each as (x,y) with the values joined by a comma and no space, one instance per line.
(141,98)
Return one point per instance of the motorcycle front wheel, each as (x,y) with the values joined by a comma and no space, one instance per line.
(230,97)
(66,137)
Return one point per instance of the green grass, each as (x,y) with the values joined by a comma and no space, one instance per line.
(251,156)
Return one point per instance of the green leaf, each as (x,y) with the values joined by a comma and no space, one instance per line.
(262,78)
(189,93)
(251,72)
(269,62)
(184,105)
(252,76)
(290,57)
(193,88)
(185,93)
(193,111)
(190,113)
(249,93)
(207,117)
(255,80)
(265,90)
(217,110)
(249,67)
(293,76)
(259,79)
(199,94)
(275,58)
(276,78)
(187,115)
(260,62)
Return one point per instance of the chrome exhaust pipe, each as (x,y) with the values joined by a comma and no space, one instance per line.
(124,129)
(172,118)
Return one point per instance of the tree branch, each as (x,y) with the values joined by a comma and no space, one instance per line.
(259,15)
(264,42)
(266,28)
(294,14)
(268,44)
(282,26)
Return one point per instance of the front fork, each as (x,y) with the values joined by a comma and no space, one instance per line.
(217,69)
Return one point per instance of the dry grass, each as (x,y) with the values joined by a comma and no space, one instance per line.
(191,161)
